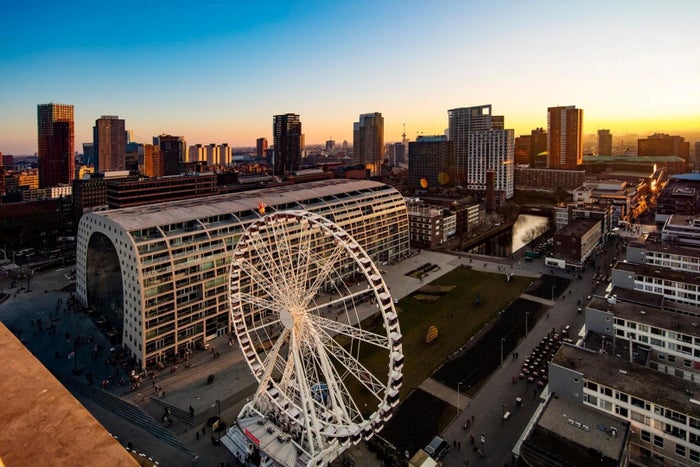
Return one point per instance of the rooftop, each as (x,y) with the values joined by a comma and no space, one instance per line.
(578,227)
(42,423)
(685,277)
(579,434)
(635,380)
(655,244)
(656,317)
(172,212)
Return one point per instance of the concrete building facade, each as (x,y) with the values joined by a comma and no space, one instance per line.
(159,273)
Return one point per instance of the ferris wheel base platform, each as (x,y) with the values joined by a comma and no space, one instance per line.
(276,447)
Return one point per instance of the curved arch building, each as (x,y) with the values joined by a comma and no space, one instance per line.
(158,273)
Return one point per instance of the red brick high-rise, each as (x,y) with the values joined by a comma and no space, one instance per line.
(55,144)
(564,137)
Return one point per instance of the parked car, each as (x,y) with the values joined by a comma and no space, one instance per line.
(438,448)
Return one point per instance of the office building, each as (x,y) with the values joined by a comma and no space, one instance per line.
(330,144)
(212,155)
(127,192)
(55,144)
(604,143)
(286,129)
(564,137)
(169,290)
(196,153)
(663,415)
(662,144)
(260,148)
(368,142)
(432,163)
(522,150)
(482,145)
(575,243)
(173,150)
(109,142)
(538,148)
(225,154)
(153,165)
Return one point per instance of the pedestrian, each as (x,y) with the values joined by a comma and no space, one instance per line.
(472,418)
(459,445)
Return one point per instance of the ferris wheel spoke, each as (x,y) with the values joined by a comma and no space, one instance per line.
(262,302)
(325,270)
(270,262)
(263,278)
(337,391)
(271,359)
(305,391)
(351,331)
(263,326)
(363,375)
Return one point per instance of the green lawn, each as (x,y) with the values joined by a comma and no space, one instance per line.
(455,315)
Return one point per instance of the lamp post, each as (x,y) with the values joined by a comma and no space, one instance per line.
(553,287)
(459,383)
(503,339)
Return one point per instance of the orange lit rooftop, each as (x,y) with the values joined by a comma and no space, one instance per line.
(42,423)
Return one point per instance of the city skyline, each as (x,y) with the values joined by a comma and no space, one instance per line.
(330,61)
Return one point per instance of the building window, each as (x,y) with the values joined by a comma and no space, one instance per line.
(694,455)
(645,435)
(680,450)
(658,441)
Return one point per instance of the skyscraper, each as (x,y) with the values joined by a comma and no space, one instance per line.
(368,142)
(461,122)
(152,162)
(55,144)
(109,139)
(564,137)
(482,145)
(261,147)
(604,143)
(286,130)
(172,151)
(432,162)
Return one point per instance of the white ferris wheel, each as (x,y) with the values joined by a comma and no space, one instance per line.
(317,326)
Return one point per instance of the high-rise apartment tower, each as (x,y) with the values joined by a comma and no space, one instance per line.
(368,142)
(564,137)
(55,144)
(109,139)
(286,130)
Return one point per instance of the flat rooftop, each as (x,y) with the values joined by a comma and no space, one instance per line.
(42,423)
(651,316)
(685,277)
(568,421)
(656,245)
(578,227)
(635,380)
(638,296)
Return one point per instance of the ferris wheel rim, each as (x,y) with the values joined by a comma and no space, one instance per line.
(391,341)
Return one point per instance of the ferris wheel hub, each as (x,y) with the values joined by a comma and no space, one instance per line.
(287,319)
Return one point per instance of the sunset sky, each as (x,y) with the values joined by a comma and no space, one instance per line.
(217,71)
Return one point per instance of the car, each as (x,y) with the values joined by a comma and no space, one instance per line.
(437,448)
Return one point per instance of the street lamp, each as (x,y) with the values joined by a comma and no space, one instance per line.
(459,383)
(503,339)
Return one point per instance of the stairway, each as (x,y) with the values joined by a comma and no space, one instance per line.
(125,410)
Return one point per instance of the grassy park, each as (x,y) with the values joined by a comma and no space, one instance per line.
(449,304)
(454,313)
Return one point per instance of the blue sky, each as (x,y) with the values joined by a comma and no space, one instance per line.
(218,71)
